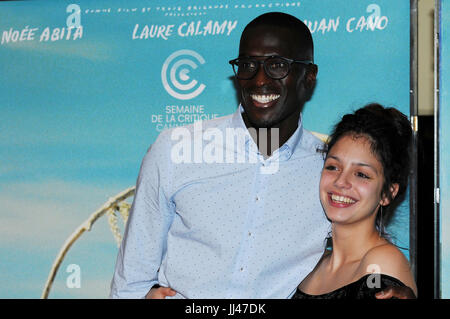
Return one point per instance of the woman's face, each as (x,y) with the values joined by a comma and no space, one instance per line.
(351,182)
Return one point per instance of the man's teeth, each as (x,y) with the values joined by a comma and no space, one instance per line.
(264,98)
(342,199)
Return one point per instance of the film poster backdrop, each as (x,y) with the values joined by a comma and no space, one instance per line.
(86,87)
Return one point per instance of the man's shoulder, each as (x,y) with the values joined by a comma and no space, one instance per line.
(312,143)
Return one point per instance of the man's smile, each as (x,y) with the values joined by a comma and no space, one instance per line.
(264,100)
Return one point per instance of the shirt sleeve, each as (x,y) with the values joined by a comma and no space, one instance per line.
(145,236)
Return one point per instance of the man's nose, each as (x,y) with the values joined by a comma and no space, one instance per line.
(261,78)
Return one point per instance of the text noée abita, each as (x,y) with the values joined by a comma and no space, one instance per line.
(47,34)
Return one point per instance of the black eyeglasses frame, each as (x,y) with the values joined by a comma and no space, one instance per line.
(263,62)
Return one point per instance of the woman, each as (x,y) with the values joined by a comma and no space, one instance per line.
(365,173)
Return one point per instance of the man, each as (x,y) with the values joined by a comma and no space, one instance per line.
(234,229)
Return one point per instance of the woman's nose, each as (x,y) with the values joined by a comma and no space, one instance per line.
(342,181)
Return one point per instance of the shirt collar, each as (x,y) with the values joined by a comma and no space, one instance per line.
(292,143)
(238,122)
(286,150)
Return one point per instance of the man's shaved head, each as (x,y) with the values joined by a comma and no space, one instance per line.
(283,21)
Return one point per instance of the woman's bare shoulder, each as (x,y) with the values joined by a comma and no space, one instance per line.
(385,254)
(389,260)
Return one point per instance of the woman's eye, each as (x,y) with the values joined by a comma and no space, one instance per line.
(362,175)
(330,167)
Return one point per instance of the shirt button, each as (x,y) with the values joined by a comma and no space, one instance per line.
(249,233)
(257,198)
(242,269)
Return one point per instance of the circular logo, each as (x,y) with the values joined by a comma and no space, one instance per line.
(175,74)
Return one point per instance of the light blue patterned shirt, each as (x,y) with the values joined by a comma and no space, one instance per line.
(223,230)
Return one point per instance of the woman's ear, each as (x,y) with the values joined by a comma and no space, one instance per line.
(385,200)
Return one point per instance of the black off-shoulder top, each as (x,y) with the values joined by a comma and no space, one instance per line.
(364,288)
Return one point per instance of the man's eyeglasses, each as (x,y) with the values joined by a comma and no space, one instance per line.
(276,67)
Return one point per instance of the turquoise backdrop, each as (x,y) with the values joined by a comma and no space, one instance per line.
(86,88)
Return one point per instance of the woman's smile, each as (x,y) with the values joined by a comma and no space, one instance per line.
(341,201)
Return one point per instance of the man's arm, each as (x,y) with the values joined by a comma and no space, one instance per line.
(396,292)
(145,236)
(160,293)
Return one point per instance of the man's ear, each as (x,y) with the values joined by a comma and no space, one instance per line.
(311,75)
(393,190)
